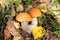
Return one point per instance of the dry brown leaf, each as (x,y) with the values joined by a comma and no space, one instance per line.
(6,33)
(11,28)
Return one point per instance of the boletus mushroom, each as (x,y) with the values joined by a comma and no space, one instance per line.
(24,18)
(35,12)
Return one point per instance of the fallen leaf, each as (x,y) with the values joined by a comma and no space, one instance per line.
(11,28)
(6,33)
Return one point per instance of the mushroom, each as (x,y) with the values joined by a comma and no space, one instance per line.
(35,12)
(24,18)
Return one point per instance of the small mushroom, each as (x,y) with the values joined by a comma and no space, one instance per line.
(35,12)
(24,18)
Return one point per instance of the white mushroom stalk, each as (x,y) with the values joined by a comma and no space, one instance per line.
(24,25)
(30,27)
(33,24)
(34,21)
(24,18)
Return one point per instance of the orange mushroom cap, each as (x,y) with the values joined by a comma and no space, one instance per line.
(23,17)
(35,12)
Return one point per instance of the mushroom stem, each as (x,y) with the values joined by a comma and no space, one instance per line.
(33,24)
(30,27)
(24,25)
(34,21)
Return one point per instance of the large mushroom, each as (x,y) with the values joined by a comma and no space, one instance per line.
(35,12)
(24,18)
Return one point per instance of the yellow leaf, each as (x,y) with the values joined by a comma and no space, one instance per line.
(38,32)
